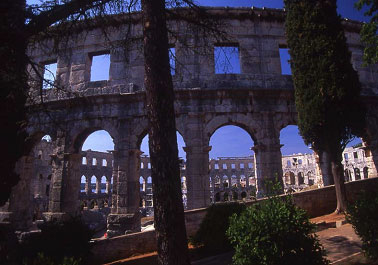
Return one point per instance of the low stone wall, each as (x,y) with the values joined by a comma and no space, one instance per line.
(316,202)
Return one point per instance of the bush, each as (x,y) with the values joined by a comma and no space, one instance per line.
(363,215)
(212,232)
(58,243)
(274,232)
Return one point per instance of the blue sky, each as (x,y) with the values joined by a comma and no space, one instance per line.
(231,140)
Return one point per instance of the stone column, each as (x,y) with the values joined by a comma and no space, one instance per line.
(108,184)
(64,196)
(197,176)
(19,210)
(88,188)
(125,216)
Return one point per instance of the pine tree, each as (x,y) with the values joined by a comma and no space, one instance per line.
(327,88)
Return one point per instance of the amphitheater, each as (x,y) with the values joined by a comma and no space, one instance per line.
(259,99)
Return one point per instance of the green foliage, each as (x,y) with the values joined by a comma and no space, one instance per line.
(59,242)
(274,232)
(369,31)
(327,88)
(363,215)
(212,232)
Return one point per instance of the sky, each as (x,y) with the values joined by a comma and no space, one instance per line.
(229,140)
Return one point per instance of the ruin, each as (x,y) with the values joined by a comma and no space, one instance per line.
(259,99)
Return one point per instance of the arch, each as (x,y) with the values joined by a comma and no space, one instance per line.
(300,178)
(143,145)
(142,184)
(225,182)
(93,184)
(240,120)
(243,195)
(234,181)
(235,195)
(83,181)
(347,176)
(243,182)
(103,184)
(366,172)
(357,173)
(80,134)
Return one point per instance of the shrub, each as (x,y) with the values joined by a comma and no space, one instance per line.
(274,232)
(363,215)
(58,243)
(212,232)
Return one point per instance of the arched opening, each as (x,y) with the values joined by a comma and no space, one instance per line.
(146,166)
(103,184)
(366,172)
(243,195)
(225,182)
(142,184)
(231,155)
(357,173)
(83,181)
(99,141)
(235,196)
(300,178)
(347,175)
(93,184)
(234,181)
(243,182)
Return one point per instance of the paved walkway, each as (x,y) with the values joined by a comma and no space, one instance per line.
(339,242)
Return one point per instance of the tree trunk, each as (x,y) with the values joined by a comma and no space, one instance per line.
(13,91)
(338,177)
(165,172)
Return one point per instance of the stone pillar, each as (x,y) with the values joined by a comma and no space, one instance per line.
(64,196)
(125,216)
(88,188)
(108,184)
(19,210)
(197,176)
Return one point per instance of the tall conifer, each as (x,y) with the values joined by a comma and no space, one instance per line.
(327,88)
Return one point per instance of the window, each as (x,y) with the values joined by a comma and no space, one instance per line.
(40,154)
(224,166)
(288,163)
(172,60)
(355,155)
(149,165)
(226,59)
(216,166)
(241,165)
(47,190)
(285,61)
(94,162)
(300,161)
(100,67)
(232,166)
(141,165)
(346,156)
(84,161)
(49,74)
(104,163)
(250,165)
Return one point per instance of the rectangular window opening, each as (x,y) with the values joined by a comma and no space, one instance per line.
(241,165)
(285,61)
(250,165)
(172,60)
(49,75)
(216,166)
(226,59)
(224,166)
(100,67)
(232,166)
